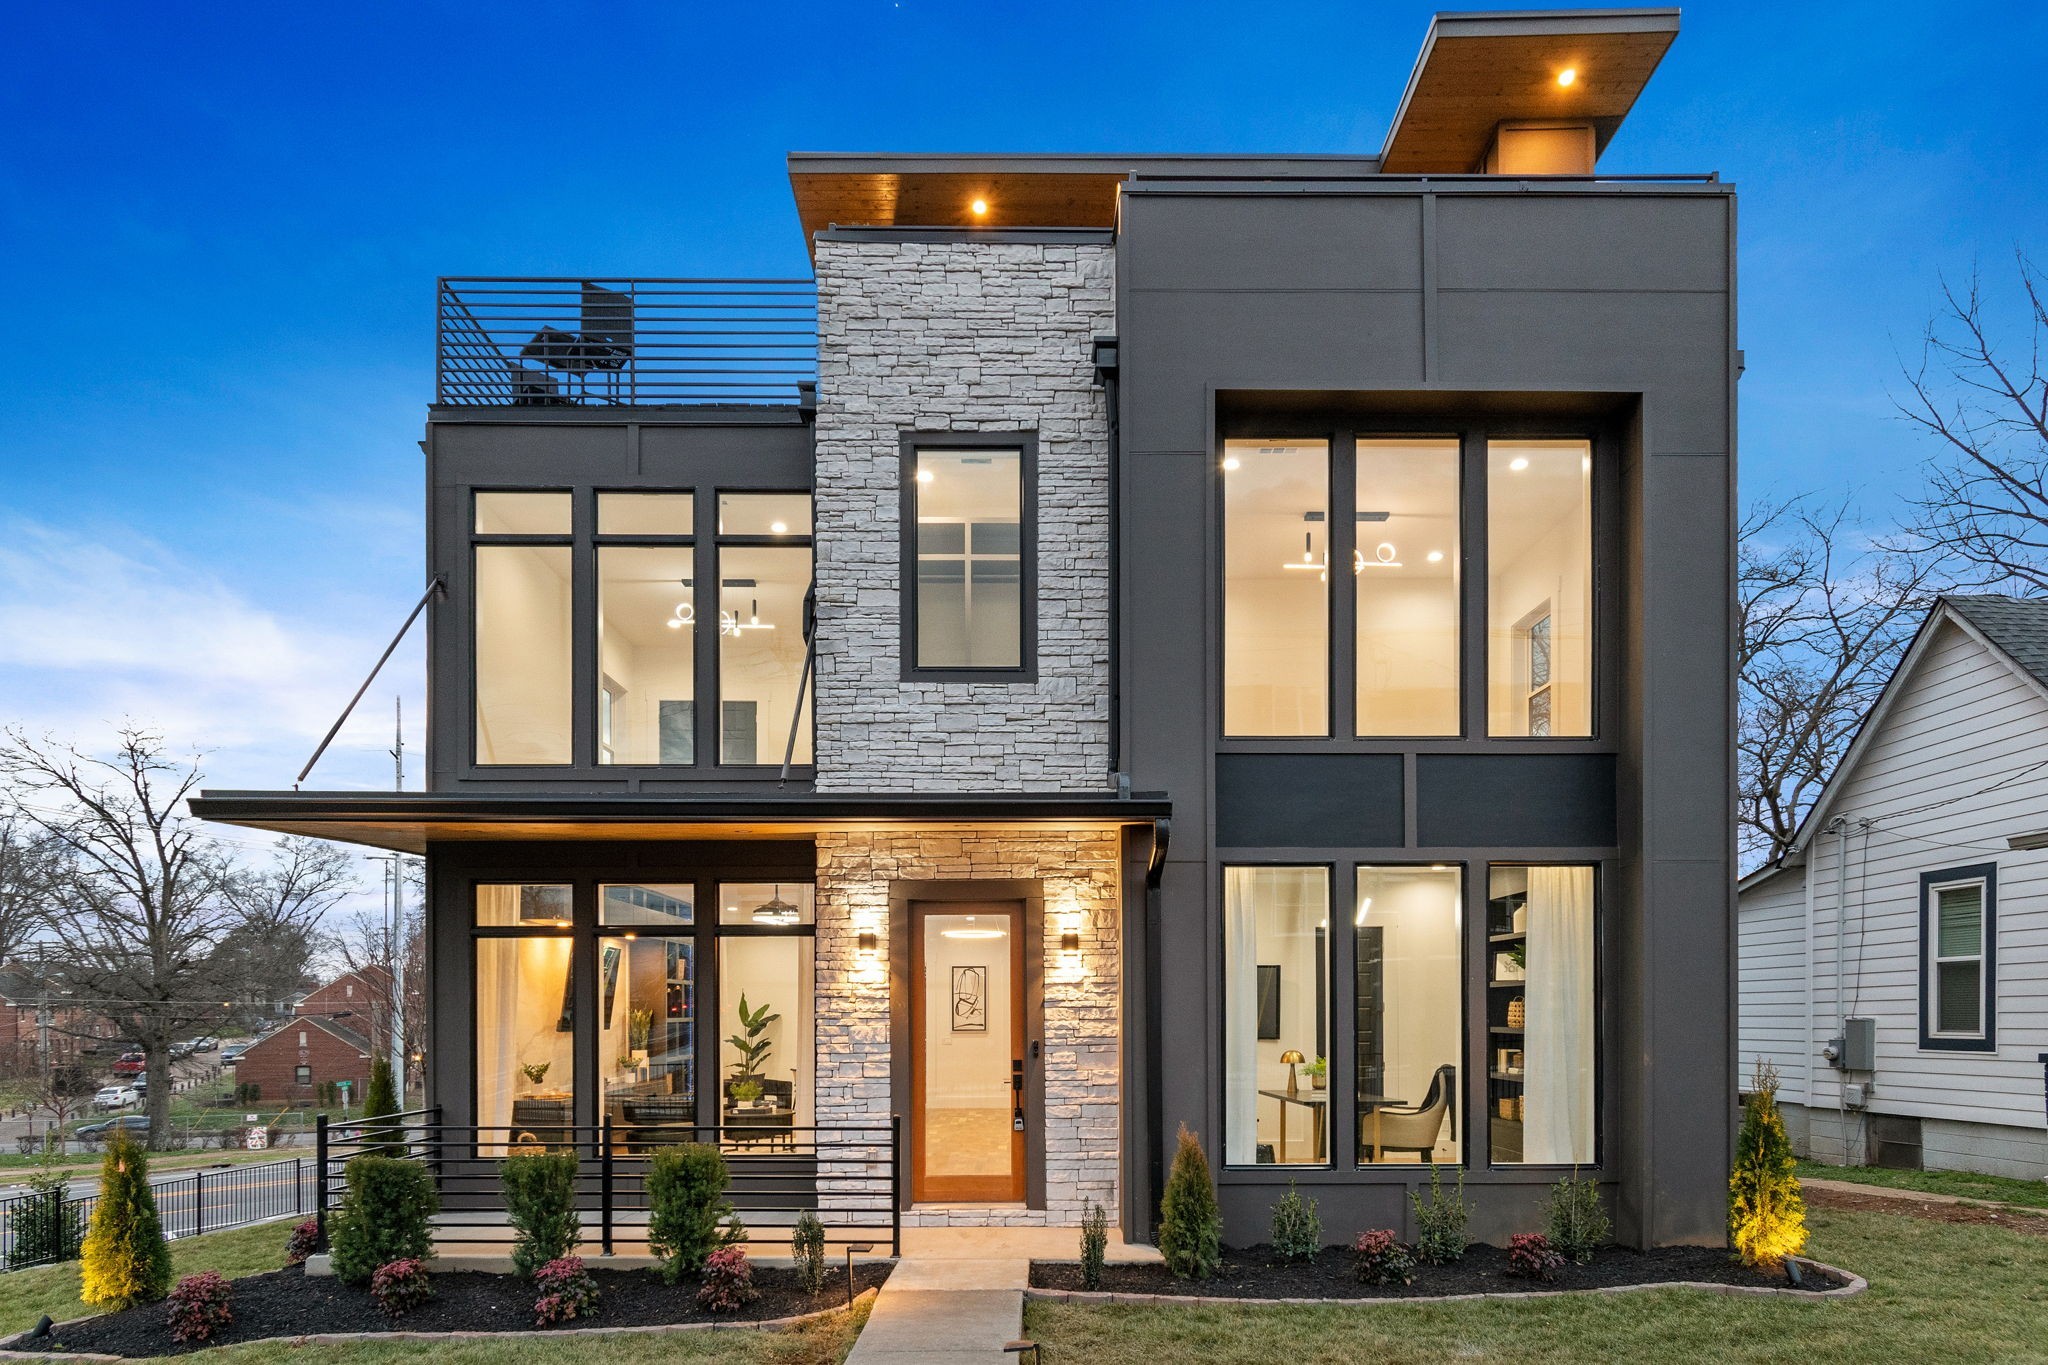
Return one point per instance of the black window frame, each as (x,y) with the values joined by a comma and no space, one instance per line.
(910,445)
(1930,882)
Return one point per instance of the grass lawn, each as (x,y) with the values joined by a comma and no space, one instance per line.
(26,1295)
(16,1169)
(1996,1189)
(1939,1291)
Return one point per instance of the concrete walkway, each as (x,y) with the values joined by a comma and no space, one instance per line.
(957,1296)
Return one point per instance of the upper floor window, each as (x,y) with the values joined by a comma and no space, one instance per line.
(1405,566)
(1276,588)
(662,561)
(1957,982)
(1539,588)
(967,560)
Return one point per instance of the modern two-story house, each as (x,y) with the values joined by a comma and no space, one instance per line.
(1132,641)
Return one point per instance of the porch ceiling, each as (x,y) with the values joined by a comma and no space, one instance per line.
(409,821)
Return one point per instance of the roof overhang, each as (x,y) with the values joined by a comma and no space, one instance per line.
(1478,71)
(409,821)
(938,190)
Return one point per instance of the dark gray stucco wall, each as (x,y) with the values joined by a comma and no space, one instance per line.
(1609,306)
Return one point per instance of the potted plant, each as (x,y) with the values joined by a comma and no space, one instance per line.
(745,1093)
(752,1046)
(639,1028)
(627,1063)
(1318,1073)
(536,1072)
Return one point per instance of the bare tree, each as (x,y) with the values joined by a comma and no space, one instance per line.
(145,904)
(1986,401)
(1824,616)
(269,953)
(365,944)
(32,864)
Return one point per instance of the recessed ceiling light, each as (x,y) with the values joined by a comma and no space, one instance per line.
(1519,463)
(980,208)
(1231,464)
(1436,556)
(1568,75)
(924,476)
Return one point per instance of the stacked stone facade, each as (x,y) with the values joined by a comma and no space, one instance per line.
(953,336)
(1078,871)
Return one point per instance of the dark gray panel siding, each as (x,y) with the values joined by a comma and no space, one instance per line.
(1514,800)
(1298,800)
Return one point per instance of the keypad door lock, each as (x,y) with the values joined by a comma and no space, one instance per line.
(1017,1096)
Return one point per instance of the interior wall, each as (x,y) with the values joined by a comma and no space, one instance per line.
(521,985)
(1555,567)
(1423,985)
(969,1070)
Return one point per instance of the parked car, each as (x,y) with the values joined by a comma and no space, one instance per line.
(202,1045)
(116,1097)
(133,1123)
(232,1053)
(130,1064)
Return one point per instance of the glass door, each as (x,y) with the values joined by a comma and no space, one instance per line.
(967,1020)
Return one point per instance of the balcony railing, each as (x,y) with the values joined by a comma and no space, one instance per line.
(848,1175)
(624,343)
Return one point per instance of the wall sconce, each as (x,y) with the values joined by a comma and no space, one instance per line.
(1070,941)
(867,944)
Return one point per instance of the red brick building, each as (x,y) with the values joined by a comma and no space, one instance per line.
(291,1062)
(24,995)
(360,999)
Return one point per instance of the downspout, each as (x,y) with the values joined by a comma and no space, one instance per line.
(1105,357)
(1840,826)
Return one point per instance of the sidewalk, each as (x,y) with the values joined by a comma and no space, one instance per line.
(957,1295)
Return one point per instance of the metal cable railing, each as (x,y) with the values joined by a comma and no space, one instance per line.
(552,343)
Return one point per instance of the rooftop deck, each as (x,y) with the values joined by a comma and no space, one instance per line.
(621,343)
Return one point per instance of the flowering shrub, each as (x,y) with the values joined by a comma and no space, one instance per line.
(401,1286)
(304,1241)
(1532,1257)
(199,1307)
(566,1291)
(728,1281)
(1379,1258)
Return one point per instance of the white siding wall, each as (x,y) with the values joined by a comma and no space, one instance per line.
(1773,984)
(1965,720)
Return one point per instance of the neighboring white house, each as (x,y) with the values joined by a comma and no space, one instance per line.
(1932,839)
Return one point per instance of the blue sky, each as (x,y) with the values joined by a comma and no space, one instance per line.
(220,226)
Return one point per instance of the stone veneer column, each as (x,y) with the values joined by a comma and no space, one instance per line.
(1079,871)
(960,336)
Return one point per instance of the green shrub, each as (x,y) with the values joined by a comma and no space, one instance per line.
(1190,1223)
(686,1206)
(1440,1223)
(385,1216)
(540,1201)
(1094,1244)
(1766,1211)
(1297,1231)
(1575,1223)
(378,1101)
(126,1260)
(807,1247)
(1531,1256)
(47,1226)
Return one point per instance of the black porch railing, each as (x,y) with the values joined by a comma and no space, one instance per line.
(849,1175)
(541,343)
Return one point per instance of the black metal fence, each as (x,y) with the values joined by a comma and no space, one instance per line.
(510,342)
(849,1175)
(41,1229)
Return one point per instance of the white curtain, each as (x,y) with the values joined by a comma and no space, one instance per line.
(1241,1017)
(1558,1111)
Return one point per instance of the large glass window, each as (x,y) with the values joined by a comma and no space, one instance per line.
(1406,569)
(1540,1015)
(525,1022)
(1276,927)
(645,514)
(969,604)
(522,514)
(765,989)
(1276,619)
(522,654)
(1539,588)
(646,632)
(647,1020)
(1407,1053)
(761,653)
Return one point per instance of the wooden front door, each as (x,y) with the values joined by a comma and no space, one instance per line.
(967,1040)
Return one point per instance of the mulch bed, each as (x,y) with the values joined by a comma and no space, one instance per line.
(1884,1199)
(291,1303)
(1249,1273)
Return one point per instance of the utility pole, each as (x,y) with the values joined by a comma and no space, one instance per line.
(397,1033)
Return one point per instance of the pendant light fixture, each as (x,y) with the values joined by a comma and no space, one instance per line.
(776,912)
